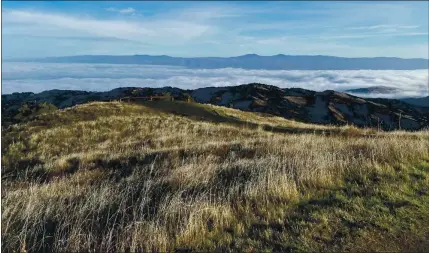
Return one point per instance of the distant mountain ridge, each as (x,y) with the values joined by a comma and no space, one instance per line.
(422,101)
(251,61)
(327,107)
(373,90)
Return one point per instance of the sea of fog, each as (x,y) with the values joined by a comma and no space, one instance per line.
(37,77)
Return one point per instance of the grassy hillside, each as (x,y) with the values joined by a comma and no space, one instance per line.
(160,176)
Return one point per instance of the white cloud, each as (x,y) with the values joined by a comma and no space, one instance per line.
(127,10)
(36,77)
(375,27)
(385,30)
(122,11)
(139,31)
(390,34)
(107,28)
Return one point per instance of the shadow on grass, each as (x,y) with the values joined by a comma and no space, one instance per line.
(197,111)
(382,219)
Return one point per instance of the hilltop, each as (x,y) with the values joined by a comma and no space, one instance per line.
(327,107)
(172,175)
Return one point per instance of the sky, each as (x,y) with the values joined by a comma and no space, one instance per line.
(198,29)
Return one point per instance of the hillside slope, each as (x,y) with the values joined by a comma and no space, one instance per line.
(328,107)
(163,176)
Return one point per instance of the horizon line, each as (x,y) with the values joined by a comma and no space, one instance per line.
(188,57)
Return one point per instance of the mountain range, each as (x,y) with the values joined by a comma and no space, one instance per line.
(373,90)
(327,107)
(251,61)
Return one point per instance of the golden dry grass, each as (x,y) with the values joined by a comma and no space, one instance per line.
(120,176)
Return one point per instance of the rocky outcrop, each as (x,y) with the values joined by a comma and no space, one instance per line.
(327,107)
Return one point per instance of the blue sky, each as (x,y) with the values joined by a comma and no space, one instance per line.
(188,29)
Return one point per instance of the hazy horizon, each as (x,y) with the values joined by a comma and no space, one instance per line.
(208,56)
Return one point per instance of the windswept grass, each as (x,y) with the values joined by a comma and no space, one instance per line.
(133,177)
